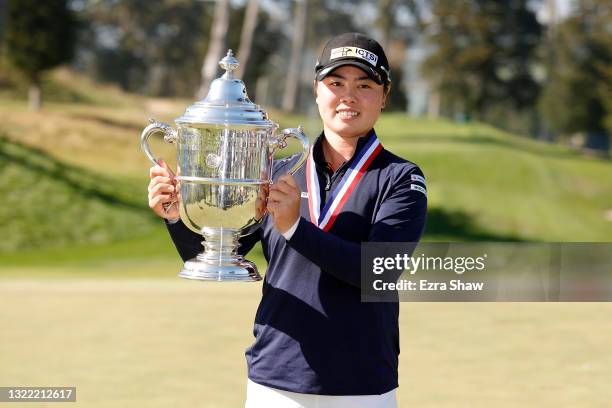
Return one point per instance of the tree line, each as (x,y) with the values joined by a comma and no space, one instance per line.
(486,60)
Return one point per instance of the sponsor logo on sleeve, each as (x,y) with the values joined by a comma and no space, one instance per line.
(416,177)
(418,188)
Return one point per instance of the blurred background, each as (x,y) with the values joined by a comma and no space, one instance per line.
(506,106)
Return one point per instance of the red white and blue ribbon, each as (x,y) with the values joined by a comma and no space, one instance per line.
(325,218)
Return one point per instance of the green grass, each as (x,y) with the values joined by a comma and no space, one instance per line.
(170,342)
(146,256)
(49,203)
(74,176)
(64,86)
(485,184)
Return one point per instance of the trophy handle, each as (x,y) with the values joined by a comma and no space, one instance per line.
(170,136)
(297,133)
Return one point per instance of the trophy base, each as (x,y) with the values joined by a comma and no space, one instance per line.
(198,269)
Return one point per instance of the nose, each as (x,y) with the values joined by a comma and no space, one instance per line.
(348,96)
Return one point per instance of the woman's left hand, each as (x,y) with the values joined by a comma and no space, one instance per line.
(284,202)
(260,204)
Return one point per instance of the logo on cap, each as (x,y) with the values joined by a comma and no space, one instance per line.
(356,52)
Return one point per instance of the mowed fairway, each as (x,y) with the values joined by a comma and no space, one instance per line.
(169,342)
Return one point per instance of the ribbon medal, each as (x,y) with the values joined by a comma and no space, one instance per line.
(325,218)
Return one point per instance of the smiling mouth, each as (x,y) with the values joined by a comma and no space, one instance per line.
(345,114)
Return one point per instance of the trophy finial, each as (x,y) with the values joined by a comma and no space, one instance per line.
(229,63)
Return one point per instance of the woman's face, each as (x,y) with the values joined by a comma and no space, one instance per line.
(349,102)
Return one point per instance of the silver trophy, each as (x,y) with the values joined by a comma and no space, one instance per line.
(225,146)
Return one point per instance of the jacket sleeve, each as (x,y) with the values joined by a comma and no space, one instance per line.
(189,244)
(400,218)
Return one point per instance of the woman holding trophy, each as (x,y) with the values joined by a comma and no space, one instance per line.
(316,344)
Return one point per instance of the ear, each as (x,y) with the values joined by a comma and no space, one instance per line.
(314,88)
(386,92)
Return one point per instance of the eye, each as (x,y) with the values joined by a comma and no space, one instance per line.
(365,86)
(334,83)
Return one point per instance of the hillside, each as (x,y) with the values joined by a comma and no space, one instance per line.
(487,184)
(74,173)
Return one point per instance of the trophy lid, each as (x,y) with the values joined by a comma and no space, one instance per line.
(227,102)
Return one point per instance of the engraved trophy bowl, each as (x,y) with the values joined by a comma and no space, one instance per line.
(225,146)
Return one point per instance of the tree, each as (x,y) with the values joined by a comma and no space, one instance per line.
(156,53)
(39,36)
(394,39)
(246,36)
(2,20)
(215,49)
(292,81)
(160,52)
(484,54)
(577,97)
(263,48)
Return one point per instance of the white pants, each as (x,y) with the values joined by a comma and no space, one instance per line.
(260,396)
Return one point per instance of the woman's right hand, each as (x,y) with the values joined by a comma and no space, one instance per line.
(163,190)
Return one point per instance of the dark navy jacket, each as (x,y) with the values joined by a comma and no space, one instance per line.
(312,332)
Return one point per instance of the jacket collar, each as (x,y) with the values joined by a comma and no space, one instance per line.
(319,157)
